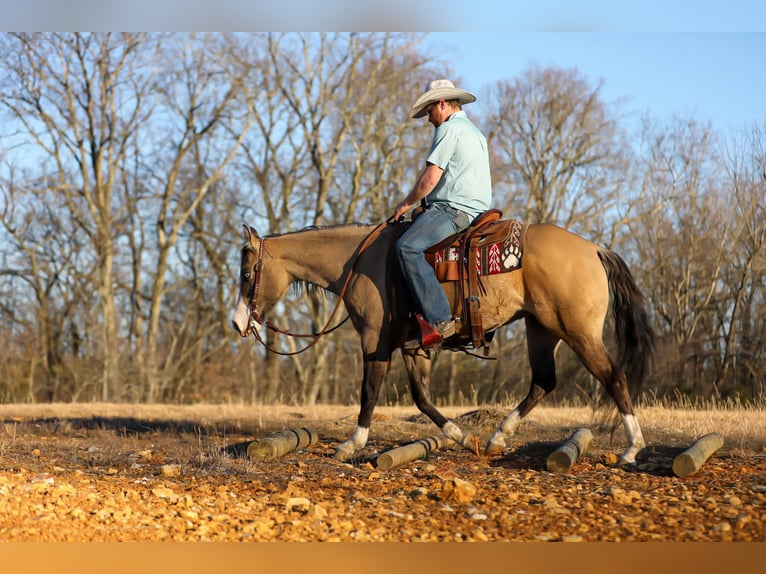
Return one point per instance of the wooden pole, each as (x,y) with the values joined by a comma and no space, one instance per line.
(278,444)
(690,460)
(562,459)
(410,452)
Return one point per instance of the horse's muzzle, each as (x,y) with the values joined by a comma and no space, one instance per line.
(242,321)
(239,331)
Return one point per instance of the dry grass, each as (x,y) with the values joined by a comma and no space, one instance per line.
(743,427)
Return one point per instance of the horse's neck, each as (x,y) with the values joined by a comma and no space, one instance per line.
(320,256)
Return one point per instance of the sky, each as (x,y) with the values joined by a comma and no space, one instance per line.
(700,58)
(716,77)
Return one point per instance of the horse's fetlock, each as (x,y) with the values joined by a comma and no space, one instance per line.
(452,431)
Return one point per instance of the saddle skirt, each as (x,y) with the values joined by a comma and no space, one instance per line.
(494,246)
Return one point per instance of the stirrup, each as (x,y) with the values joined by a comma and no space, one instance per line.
(429,337)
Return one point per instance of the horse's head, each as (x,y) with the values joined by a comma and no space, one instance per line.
(258,286)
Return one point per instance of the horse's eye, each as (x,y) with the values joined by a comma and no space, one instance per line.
(246,275)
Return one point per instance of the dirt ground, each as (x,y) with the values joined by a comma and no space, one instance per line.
(133,473)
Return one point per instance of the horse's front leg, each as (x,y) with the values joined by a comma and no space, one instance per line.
(418,364)
(374,373)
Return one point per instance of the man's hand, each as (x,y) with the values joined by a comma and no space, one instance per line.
(401,210)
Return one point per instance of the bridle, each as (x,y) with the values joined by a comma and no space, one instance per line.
(255,315)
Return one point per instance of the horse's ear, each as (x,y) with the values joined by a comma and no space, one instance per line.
(250,233)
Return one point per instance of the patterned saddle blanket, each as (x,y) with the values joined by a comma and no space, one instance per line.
(495,246)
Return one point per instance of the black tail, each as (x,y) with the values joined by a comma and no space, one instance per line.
(634,333)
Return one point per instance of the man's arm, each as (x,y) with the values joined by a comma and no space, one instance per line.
(423,186)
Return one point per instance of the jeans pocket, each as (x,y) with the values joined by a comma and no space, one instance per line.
(460,219)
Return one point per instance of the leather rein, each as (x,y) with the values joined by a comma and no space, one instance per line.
(255,315)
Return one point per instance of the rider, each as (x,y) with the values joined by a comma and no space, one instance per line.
(455,186)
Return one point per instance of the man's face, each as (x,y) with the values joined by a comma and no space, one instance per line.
(438,112)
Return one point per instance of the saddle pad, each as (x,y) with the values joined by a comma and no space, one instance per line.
(497,256)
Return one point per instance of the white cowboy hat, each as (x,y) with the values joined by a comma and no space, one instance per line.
(439,90)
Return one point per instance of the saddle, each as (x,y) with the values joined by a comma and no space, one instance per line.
(490,245)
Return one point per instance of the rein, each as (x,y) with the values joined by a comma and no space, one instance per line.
(256,316)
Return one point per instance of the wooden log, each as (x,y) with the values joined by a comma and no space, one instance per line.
(278,444)
(562,459)
(410,452)
(690,460)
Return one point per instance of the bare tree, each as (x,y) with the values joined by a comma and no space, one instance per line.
(76,98)
(132,129)
(558,150)
(740,311)
(204,105)
(682,242)
(46,274)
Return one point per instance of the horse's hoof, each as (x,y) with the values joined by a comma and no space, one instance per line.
(493,449)
(628,458)
(626,464)
(471,442)
(343,454)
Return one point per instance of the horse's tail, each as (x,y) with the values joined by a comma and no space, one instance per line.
(633,332)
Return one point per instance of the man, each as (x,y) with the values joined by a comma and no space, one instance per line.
(456,186)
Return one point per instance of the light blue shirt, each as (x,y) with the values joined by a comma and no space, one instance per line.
(460,149)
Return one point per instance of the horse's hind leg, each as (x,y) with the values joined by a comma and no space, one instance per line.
(541,346)
(597,360)
(418,366)
(374,373)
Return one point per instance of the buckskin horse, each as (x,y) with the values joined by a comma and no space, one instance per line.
(561,289)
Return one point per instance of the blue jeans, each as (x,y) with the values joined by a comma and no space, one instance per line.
(436,223)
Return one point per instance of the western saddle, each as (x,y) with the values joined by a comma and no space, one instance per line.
(486,229)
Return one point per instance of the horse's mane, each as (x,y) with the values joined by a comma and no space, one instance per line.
(309,228)
(310,289)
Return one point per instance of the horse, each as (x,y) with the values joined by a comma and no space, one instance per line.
(561,291)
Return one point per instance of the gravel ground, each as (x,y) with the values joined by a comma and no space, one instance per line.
(71,477)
